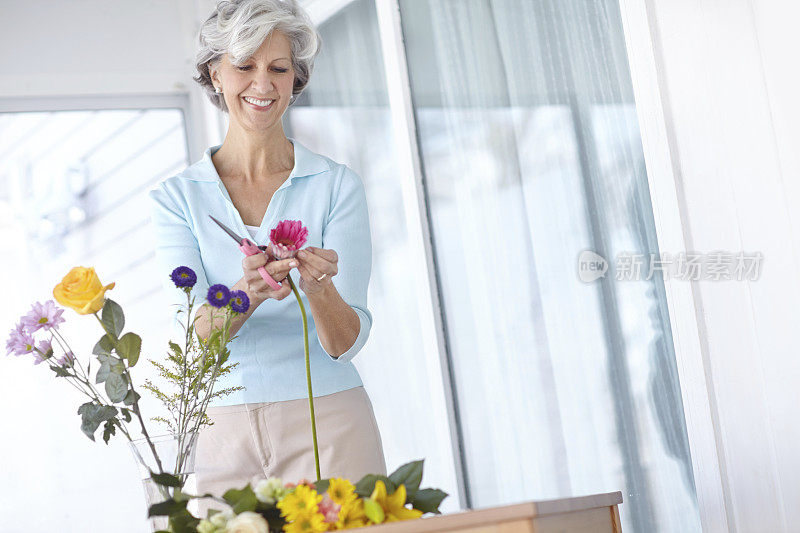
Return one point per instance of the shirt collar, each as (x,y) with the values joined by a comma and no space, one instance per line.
(306,163)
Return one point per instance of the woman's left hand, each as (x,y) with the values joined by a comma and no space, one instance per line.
(314,262)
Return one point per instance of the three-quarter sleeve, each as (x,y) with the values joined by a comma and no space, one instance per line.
(175,245)
(347,232)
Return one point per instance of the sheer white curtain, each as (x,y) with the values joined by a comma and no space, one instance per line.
(344,114)
(531,154)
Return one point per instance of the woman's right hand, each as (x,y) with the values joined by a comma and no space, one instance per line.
(256,286)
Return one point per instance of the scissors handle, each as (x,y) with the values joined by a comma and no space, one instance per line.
(248,249)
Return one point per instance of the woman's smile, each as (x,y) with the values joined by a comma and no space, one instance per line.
(259,105)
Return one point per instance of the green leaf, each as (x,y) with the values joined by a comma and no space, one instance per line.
(366,485)
(168,480)
(103,346)
(126,413)
(113,318)
(130,398)
(175,348)
(116,387)
(322,485)
(428,500)
(410,475)
(117,365)
(61,371)
(109,429)
(92,415)
(241,500)
(183,522)
(102,374)
(129,347)
(166,508)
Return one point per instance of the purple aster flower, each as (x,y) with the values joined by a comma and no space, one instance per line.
(218,295)
(67,359)
(19,341)
(43,316)
(183,276)
(240,302)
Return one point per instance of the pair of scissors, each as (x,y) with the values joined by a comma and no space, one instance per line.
(248,248)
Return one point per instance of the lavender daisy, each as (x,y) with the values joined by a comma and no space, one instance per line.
(240,302)
(67,359)
(44,316)
(218,295)
(183,276)
(19,341)
(44,351)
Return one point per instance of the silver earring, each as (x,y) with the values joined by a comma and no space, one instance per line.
(218,90)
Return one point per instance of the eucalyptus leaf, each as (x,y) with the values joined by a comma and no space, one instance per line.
(102,374)
(109,429)
(92,415)
(113,318)
(103,346)
(116,387)
(116,364)
(130,399)
(129,347)
(126,413)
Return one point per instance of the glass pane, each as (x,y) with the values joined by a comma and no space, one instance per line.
(344,114)
(72,193)
(531,154)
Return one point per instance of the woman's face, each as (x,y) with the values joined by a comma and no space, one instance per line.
(267,75)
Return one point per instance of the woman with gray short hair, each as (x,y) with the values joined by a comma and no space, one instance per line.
(254,58)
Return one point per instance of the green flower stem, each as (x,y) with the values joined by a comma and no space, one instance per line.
(308,373)
(135,400)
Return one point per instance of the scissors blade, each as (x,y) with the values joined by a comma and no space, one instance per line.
(230,232)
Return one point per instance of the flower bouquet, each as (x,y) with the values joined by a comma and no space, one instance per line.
(193,369)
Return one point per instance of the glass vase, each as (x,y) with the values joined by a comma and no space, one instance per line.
(176,452)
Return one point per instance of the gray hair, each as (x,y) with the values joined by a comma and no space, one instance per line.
(239,27)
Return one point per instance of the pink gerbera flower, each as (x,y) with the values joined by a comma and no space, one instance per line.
(43,316)
(287,238)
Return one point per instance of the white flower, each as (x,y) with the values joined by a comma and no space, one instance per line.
(269,490)
(205,526)
(221,519)
(247,522)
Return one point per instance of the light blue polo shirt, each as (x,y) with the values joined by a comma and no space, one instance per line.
(329,198)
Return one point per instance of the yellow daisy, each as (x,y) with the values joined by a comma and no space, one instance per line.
(341,491)
(301,501)
(307,523)
(394,504)
(352,515)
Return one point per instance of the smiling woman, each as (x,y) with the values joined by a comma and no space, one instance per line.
(255,57)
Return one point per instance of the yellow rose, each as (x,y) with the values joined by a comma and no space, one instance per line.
(82,291)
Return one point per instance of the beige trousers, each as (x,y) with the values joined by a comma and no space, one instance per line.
(249,442)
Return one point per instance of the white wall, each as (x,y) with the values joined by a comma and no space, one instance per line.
(729,86)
